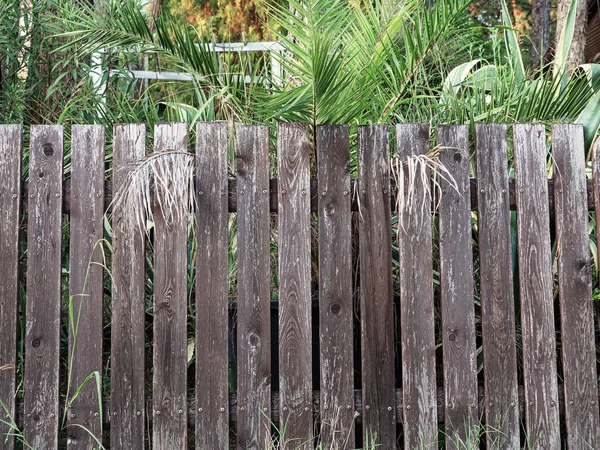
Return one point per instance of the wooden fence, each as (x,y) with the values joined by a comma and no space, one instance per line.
(539,378)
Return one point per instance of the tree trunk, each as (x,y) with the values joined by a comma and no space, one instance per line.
(540,30)
(577,55)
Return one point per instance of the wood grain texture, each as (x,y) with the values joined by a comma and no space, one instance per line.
(169,383)
(535,282)
(253,314)
(335,287)
(44,246)
(416,301)
(10,199)
(128,301)
(497,296)
(295,333)
(575,288)
(86,287)
(212,374)
(456,286)
(376,301)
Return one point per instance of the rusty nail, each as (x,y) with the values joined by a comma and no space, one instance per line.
(345,192)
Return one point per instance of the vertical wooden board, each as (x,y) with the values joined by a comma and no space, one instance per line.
(86,289)
(42,333)
(253,312)
(295,338)
(496,283)
(212,374)
(169,394)
(10,203)
(376,299)
(416,299)
(456,285)
(535,282)
(128,300)
(335,287)
(575,288)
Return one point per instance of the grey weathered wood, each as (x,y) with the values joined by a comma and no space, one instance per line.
(295,338)
(575,288)
(497,296)
(212,371)
(170,301)
(128,301)
(335,287)
(10,199)
(416,300)
(253,313)
(376,301)
(86,290)
(42,333)
(456,286)
(535,281)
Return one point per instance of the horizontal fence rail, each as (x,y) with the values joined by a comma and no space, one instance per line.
(402,308)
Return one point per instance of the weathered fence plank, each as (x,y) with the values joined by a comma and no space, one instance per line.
(212,374)
(253,313)
(86,289)
(295,338)
(575,288)
(376,301)
(169,398)
(535,281)
(456,285)
(335,287)
(128,300)
(10,199)
(497,296)
(42,334)
(416,297)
